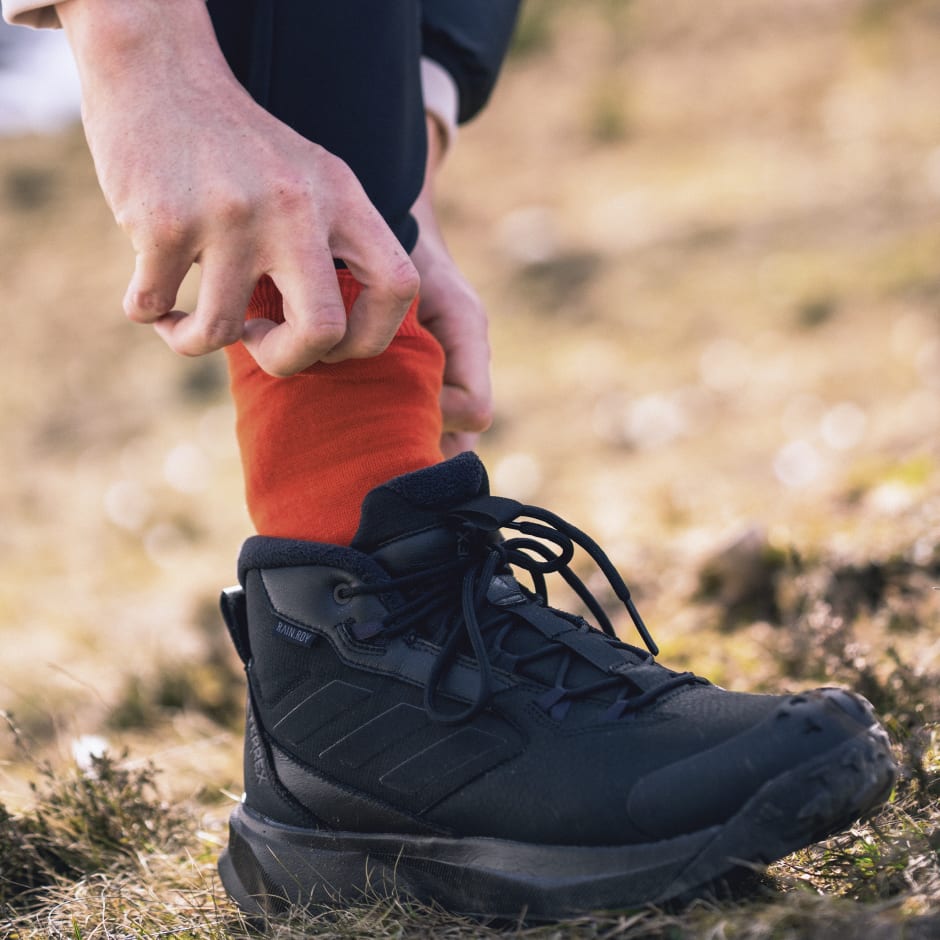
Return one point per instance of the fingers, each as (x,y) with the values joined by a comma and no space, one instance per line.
(466,397)
(467,394)
(388,277)
(296,248)
(466,410)
(317,326)
(152,291)
(219,318)
(376,314)
(314,319)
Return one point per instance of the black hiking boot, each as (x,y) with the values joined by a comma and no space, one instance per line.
(419,722)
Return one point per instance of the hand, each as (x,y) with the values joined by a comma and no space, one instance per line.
(452,311)
(197,173)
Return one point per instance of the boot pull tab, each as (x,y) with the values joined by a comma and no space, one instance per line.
(235,614)
(487,513)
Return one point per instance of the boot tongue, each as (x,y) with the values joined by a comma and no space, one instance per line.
(418,502)
(405,527)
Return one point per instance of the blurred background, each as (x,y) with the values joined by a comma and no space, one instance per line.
(39,88)
(708,238)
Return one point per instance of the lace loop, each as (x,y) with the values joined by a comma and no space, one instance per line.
(479,627)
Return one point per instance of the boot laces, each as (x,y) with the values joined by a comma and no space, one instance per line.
(481,624)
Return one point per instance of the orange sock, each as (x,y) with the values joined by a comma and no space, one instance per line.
(314,444)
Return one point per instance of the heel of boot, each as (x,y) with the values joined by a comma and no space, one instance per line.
(269,869)
(235,872)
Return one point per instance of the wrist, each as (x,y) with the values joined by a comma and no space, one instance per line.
(113,41)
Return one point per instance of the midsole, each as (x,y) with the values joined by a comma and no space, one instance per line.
(505,857)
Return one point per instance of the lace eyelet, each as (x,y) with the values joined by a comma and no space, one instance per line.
(342,594)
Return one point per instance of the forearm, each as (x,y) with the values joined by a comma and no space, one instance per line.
(118,45)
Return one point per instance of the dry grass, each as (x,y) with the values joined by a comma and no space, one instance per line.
(707,234)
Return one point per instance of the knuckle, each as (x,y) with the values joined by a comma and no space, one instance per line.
(322,333)
(142,306)
(165,227)
(218,333)
(292,195)
(403,281)
(478,416)
(327,335)
(234,208)
(334,169)
(200,336)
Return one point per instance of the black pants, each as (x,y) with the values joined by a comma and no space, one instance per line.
(344,74)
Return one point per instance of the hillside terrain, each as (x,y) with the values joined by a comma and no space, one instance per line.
(708,238)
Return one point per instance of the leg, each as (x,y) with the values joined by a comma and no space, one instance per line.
(419,721)
(313,445)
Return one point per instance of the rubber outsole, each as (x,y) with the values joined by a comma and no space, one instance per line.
(269,868)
